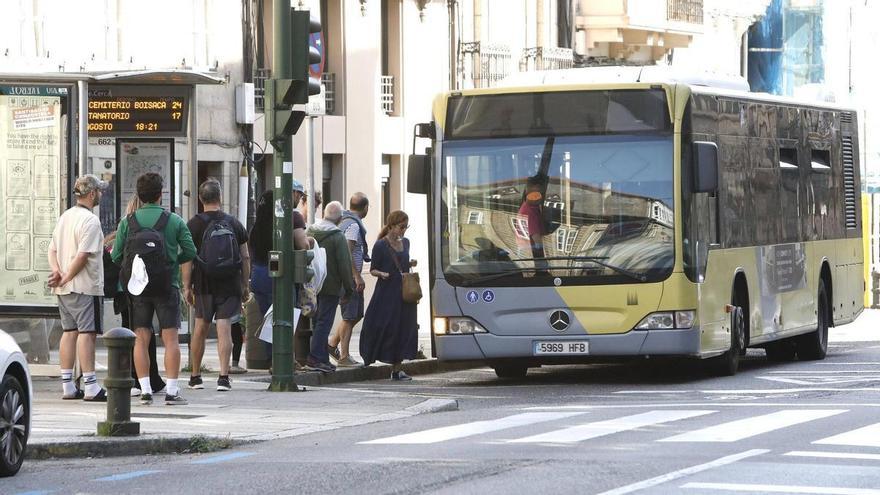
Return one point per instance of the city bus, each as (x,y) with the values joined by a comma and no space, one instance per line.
(578,220)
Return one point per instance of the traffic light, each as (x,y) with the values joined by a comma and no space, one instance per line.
(302,266)
(304,26)
(281,120)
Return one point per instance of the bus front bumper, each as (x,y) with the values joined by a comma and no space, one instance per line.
(633,343)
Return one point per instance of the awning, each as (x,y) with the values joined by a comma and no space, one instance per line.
(156,76)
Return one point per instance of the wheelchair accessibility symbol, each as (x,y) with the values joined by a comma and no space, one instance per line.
(488,296)
(472,297)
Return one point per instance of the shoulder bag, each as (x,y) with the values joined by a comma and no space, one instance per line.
(411,286)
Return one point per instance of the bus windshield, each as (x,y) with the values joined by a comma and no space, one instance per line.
(589,209)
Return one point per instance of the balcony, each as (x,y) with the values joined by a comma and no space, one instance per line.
(386,89)
(484,64)
(545,58)
(636,30)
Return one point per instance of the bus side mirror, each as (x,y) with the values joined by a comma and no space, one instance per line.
(705,167)
(418,174)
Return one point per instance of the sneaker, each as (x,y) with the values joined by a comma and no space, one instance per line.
(348,362)
(322,367)
(400,376)
(135,392)
(195,383)
(146,399)
(223,384)
(175,400)
(236,370)
(333,351)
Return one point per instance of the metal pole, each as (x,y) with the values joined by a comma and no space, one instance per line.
(453,46)
(82,88)
(311,143)
(282,287)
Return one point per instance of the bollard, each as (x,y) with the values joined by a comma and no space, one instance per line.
(119,342)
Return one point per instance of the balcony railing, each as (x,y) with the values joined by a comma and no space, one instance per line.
(387,91)
(484,64)
(328,80)
(690,11)
(545,58)
(260,77)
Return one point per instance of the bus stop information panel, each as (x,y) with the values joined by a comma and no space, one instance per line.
(138,111)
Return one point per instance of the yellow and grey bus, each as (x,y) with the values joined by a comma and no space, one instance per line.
(584,220)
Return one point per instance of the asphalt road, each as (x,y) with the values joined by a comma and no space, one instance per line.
(648,427)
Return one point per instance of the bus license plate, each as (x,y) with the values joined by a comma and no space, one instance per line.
(562,348)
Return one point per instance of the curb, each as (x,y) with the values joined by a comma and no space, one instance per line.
(374,372)
(86,447)
(94,446)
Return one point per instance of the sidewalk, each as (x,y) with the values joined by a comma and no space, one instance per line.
(212,420)
(217,420)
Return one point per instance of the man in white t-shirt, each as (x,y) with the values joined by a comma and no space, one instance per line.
(77,279)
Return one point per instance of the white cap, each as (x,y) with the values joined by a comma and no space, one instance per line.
(139,278)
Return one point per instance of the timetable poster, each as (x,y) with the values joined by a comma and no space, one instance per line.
(30,168)
(137,157)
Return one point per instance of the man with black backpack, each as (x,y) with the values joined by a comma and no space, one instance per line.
(220,280)
(151,243)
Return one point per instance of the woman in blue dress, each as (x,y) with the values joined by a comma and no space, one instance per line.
(389,333)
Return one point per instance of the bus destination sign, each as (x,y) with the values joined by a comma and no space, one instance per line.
(126,115)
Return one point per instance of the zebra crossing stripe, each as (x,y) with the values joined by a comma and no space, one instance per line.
(601,428)
(749,427)
(868,436)
(453,432)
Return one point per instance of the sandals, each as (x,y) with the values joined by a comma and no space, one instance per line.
(77,395)
(101,396)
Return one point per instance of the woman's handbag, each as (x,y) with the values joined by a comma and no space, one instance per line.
(411,285)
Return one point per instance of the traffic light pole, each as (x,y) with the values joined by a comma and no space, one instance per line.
(282,241)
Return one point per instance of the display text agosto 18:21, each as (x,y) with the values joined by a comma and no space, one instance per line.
(136,114)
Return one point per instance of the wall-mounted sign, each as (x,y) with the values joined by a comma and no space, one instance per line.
(31,157)
(137,111)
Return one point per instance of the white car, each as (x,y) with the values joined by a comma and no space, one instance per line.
(16,397)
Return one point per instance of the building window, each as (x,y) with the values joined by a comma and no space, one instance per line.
(565,239)
(520,226)
(475,218)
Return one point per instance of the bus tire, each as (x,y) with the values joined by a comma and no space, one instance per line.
(814,345)
(727,364)
(511,371)
(781,351)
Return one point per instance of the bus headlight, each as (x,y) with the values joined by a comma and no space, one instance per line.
(456,325)
(667,320)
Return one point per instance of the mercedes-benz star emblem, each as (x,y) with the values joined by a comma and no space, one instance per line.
(560,320)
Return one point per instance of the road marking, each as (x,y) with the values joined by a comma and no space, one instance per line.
(696,404)
(223,458)
(744,428)
(834,455)
(868,436)
(601,428)
(674,475)
(743,487)
(475,428)
(127,476)
(824,372)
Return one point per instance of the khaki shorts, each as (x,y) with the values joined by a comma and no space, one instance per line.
(80,312)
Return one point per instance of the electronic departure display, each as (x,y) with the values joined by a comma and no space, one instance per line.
(125,115)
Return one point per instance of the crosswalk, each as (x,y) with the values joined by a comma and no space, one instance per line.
(569,427)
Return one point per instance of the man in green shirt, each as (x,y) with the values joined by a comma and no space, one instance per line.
(179,250)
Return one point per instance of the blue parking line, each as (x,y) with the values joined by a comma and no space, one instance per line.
(127,476)
(222,458)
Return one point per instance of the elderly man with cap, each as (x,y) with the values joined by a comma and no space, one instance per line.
(77,279)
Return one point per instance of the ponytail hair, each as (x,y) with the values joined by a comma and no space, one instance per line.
(396,217)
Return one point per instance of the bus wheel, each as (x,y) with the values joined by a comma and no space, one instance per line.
(814,345)
(784,350)
(728,363)
(511,371)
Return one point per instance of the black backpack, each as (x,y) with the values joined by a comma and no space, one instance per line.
(149,243)
(219,254)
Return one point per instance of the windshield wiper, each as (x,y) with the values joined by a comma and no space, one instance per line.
(592,259)
(598,260)
(505,273)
